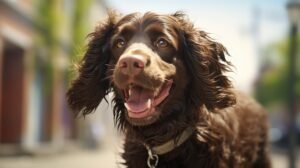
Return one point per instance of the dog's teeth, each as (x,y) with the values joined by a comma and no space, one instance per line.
(149,102)
(157,92)
(129,92)
(126,105)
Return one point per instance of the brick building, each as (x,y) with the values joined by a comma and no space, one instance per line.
(29,118)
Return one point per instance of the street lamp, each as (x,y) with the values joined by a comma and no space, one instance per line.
(293,8)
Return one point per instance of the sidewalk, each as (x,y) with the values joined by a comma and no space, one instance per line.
(105,158)
(77,159)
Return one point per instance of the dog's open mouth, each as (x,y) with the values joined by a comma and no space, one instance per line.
(141,102)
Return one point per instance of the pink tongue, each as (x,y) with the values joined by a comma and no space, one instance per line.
(139,100)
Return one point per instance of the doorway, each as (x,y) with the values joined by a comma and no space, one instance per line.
(11,110)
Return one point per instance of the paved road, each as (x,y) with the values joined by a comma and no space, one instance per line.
(87,159)
(75,159)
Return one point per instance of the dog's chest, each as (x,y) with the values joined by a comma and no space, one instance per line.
(186,156)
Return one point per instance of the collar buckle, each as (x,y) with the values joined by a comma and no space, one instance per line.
(152,160)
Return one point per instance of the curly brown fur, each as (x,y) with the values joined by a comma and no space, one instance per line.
(143,54)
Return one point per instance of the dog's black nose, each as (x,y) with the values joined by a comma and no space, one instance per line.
(131,64)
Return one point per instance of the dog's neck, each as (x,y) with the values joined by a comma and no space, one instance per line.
(162,131)
(154,136)
(161,134)
(172,143)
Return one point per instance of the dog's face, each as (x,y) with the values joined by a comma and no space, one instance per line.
(157,65)
(147,68)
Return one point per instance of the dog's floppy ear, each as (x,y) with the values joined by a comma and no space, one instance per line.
(91,85)
(206,62)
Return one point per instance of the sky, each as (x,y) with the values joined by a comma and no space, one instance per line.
(244,27)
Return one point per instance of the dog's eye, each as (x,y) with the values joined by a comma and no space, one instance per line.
(120,43)
(161,43)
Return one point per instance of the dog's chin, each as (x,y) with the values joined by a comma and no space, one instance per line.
(143,105)
(150,119)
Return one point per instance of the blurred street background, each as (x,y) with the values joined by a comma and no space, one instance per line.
(41,40)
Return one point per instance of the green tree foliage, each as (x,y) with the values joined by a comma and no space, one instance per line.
(79,26)
(48,20)
(78,33)
(272,85)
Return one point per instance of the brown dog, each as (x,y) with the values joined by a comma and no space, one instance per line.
(172,99)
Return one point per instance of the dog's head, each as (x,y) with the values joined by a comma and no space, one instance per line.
(156,65)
